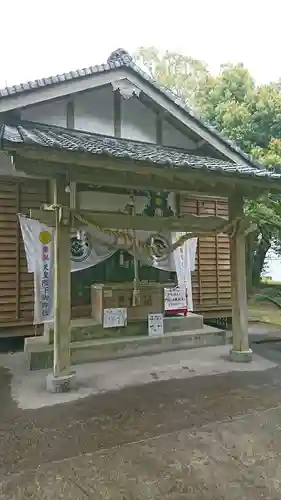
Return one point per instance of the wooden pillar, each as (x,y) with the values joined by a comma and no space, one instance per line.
(62,378)
(62,304)
(240,350)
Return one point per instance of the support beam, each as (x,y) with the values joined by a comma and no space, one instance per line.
(159,129)
(240,350)
(62,309)
(112,178)
(117,113)
(94,162)
(113,220)
(70,116)
(73,195)
(62,379)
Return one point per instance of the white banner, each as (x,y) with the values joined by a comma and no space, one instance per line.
(184,258)
(38,245)
(43,279)
(94,247)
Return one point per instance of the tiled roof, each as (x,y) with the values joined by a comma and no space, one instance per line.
(121,59)
(124,60)
(57,138)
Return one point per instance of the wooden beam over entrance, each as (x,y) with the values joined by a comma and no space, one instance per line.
(112,220)
(112,171)
(160,180)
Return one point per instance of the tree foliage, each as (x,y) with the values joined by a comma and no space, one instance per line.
(247,113)
(179,73)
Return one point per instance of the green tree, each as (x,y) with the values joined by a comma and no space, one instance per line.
(225,100)
(179,73)
(243,111)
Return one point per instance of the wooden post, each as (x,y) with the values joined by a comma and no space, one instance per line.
(136,283)
(117,113)
(62,379)
(240,350)
(62,305)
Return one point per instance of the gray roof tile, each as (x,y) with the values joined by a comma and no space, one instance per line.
(120,58)
(47,136)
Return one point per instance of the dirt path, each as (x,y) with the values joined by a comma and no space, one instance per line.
(78,433)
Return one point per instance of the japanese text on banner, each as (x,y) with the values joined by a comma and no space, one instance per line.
(43,279)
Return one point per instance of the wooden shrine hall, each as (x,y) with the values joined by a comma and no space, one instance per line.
(67,157)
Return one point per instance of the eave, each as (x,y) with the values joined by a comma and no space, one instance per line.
(136,175)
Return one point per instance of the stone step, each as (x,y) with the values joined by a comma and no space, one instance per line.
(86,329)
(40,354)
(186,323)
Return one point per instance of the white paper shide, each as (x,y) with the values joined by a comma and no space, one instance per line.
(115,317)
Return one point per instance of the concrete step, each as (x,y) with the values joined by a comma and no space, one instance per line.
(84,329)
(190,322)
(40,354)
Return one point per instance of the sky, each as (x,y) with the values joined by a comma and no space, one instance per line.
(274,268)
(44,38)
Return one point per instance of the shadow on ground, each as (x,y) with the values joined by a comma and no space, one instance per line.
(198,438)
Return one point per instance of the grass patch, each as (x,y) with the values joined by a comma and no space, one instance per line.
(268,282)
(264,311)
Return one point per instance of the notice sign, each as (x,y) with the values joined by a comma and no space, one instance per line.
(175,299)
(155,325)
(114,318)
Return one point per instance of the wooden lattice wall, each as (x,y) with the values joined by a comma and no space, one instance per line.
(211,281)
(16,284)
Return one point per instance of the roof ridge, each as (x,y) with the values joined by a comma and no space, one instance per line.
(59,78)
(118,59)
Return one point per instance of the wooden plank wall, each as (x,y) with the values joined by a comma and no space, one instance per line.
(211,281)
(16,284)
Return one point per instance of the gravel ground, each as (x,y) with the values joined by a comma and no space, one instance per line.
(215,437)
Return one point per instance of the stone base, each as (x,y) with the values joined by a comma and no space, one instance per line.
(190,322)
(61,384)
(40,355)
(241,356)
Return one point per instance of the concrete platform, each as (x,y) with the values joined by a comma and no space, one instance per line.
(87,329)
(39,353)
(29,388)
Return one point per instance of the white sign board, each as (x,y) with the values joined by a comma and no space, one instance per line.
(155,325)
(174,298)
(114,318)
